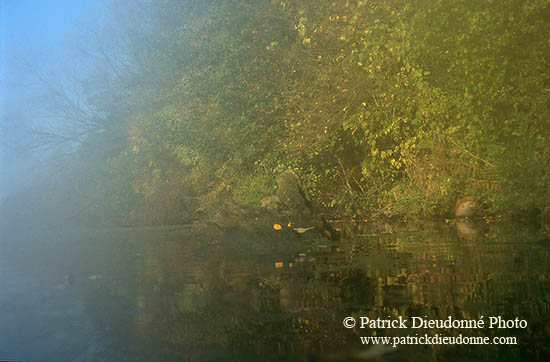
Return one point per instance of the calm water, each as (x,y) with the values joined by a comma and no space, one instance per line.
(179,294)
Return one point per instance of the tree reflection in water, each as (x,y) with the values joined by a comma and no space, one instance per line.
(178,294)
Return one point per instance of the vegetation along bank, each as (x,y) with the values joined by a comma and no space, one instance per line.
(382,107)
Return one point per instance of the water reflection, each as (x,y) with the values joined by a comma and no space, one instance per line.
(181,294)
(467,229)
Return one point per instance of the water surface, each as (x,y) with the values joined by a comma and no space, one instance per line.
(190,294)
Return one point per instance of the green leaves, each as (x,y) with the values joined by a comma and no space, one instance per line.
(376,103)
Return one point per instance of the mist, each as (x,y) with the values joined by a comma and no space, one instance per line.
(56,57)
(36,39)
(228,180)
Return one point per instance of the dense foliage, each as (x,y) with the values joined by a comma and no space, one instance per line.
(382,106)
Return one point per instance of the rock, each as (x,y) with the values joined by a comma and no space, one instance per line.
(271,203)
(465,207)
(293,205)
(292,195)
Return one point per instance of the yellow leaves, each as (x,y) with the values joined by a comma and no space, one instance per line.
(303,230)
(272,45)
(299,230)
(396,164)
(296,125)
(385,154)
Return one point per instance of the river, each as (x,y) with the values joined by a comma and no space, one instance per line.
(256,294)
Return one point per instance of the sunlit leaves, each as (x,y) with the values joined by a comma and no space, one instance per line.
(367,100)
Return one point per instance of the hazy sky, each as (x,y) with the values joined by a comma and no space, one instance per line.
(31,27)
(40,21)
